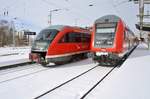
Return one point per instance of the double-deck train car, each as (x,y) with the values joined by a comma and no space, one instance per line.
(111,40)
(60,44)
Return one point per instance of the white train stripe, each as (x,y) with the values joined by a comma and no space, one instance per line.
(67,54)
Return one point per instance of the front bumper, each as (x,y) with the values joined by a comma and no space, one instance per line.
(34,57)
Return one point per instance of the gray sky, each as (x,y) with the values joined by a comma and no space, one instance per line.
(74,12)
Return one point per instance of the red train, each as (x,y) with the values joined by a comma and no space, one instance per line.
(60,44)
(111,40)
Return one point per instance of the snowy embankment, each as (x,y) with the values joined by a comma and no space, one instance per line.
(130,81)
(13,55)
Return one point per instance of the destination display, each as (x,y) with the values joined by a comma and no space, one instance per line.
(103,25)
(29,33)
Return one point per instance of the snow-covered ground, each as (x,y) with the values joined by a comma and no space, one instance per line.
(130,81)
(32,82)
(13,55)
(78,87)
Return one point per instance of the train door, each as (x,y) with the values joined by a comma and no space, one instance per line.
(85,39)
(128,40)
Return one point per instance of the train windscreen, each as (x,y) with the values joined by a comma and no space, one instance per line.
(43,39)
(104,34)
(47,34)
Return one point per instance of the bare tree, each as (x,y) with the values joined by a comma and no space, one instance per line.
(6,32)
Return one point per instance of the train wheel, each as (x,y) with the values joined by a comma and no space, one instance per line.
(43,61)
(44,64)
(59,63)
(85,55)
(80,56)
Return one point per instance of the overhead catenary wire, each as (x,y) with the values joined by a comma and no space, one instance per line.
(71,9)
(115,6)
(6,8)
(120,3)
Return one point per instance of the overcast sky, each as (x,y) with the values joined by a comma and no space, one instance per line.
(74,12)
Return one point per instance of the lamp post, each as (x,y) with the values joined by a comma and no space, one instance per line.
(54,10)
(141,11)
(50,15)
(13,30)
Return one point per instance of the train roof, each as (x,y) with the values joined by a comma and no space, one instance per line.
(60,27)
(57,27)
(108,18)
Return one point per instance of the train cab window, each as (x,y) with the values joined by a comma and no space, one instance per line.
(105,34)
(47,34)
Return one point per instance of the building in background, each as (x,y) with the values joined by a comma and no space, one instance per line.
(12,33)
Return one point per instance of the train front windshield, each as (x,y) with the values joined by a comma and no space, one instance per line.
(43,39)
(104,35)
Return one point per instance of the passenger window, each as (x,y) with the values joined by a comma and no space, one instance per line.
(75,38)
(72,37)
(64,39)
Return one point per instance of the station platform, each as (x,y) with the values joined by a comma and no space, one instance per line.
(14,55)
(130,81)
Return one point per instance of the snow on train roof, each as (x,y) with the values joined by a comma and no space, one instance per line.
(107,18)
(60,27)
(57,27)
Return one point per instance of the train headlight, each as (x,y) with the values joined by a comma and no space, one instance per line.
(109,42)
(101,53)
(98,42)
(41,48)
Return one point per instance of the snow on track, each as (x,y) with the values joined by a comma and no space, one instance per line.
(130,81)
(15,69)
(78,87)
(21,73)
(31,86)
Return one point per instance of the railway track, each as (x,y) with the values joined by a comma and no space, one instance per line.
(80,81)
(60,90)
(14,65)
(9,75)
(67,78)
(12,70)
(65,83)
(17,72)
(37,83)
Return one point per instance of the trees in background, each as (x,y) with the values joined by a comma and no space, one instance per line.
(6,33)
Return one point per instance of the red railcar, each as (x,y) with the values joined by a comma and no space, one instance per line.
(111,40)
(60,44)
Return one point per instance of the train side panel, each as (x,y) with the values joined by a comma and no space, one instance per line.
(59,44)
(60,47)
(119,37)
